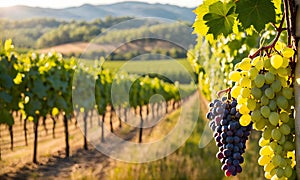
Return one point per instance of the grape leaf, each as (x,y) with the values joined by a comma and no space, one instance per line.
(7,98)
(220,18)
(6,117)
(200,11)
(255,12)
(39,88)
(6,81)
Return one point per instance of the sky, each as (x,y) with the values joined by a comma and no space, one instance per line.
(71,3)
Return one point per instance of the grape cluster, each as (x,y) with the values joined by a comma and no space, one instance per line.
(229,135)
(264,93)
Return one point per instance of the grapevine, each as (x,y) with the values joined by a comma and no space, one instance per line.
(261,80)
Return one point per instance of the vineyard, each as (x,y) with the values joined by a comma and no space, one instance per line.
(245,64)
(38,89)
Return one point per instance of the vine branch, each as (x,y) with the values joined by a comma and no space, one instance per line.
(219,93)
(279,31)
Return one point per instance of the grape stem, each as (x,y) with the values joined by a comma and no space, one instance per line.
(219,93)
(265,48)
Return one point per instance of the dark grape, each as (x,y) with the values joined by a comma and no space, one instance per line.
(229,135)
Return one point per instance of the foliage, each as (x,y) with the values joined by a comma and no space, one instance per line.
(232,31)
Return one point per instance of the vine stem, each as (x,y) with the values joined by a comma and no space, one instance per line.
(288,21)
(263,48)
(296,32)
(219,93)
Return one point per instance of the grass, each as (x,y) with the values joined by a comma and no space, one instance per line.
(190,161)
(176,70)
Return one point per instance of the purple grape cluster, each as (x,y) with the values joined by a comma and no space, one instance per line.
(229,135)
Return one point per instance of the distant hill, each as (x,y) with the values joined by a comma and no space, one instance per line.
(90,12)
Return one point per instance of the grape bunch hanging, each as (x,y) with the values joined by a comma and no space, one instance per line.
(262,96)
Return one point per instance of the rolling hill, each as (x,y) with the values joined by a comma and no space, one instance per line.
(90,12)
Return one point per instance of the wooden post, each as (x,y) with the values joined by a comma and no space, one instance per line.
(297,94)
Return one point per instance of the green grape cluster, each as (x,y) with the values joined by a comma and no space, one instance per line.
(264,92)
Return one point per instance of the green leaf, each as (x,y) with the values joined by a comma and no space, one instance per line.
(7,98)
(200,11)
(6,81)
(220,18)
(6,117)
(32,106)
(39,88)
(61,103)
(255,12)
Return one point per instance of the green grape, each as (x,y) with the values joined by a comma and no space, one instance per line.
(288,52)
(244,73)
(263,160)
(245,92)
(279,172)
(245,64)
(282,102)
(237,66)
(266,150)
(235,91)
(270,77)
(265,111)
(253,72)
(287,92)
(256,92)
(241,100)
(267,63)
(284,117)
(235,76)
(259,80)
(259,65)
(278,149)
(274,118)
(268,175)
(282,81)
(276,61)
(283,162)
(276,161)
(243,109)
(288,171)
(272,105)
(251,104)
(256,115)
(285,129)
(273,70)
(288,146)
(276,85)
(276,135)
(266,134)
(282,72)
(245,82)
(255,60)
(282,139)
(279,46)
(291,123)
(263,142)
(264,100)
(269,93)
(285,62)
(268,167)
(273,145)
(245,120)
(260,125)
(291,102)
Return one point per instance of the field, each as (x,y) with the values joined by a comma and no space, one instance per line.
(173,69)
